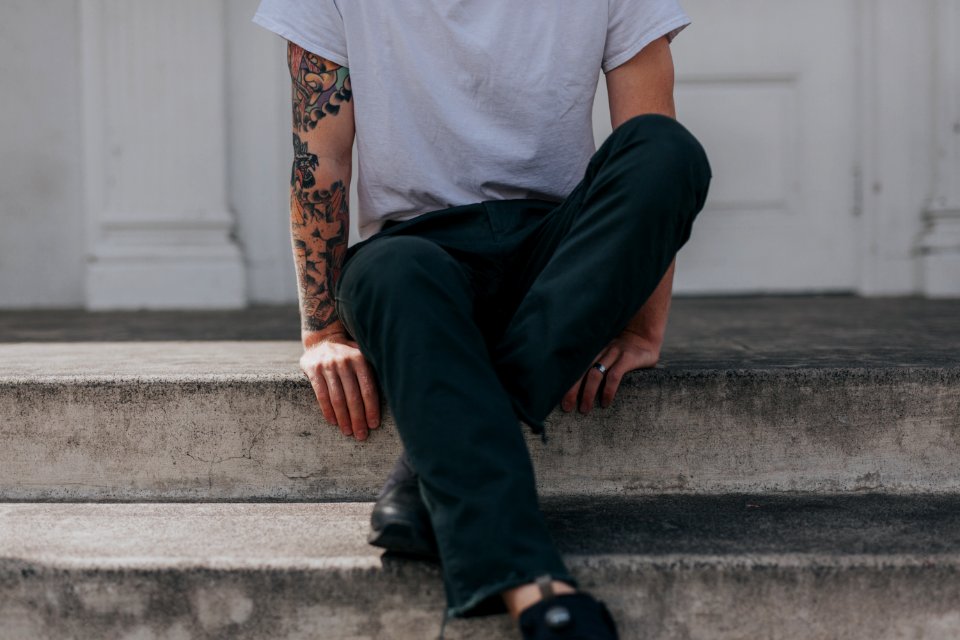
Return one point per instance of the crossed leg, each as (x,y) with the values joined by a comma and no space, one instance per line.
(573,285)
(409,304)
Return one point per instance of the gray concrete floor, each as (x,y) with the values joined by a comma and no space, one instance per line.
(826,331)
(747,332)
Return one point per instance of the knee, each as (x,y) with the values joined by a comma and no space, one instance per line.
(654,140)
(390,266)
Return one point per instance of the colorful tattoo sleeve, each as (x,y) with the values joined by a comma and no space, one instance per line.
(320,225)
(320,87)
(319,213)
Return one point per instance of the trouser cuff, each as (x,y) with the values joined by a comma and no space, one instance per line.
(487,600)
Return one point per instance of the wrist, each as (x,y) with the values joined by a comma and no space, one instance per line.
(645,339)
(311,337)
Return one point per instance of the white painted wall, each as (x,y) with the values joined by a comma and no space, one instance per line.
(69,207)
(259,153)
(41,193)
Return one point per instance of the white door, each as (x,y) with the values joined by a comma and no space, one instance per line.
(769,88)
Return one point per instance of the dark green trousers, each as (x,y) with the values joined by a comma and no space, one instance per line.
(479,316)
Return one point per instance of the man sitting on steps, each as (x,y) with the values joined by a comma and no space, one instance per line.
(505,265)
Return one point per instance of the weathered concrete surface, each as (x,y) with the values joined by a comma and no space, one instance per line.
(704,333)
(150,361)
(238,421)
(813,332)
(731,567)
(756,394)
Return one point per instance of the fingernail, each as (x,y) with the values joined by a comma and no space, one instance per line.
(372,424)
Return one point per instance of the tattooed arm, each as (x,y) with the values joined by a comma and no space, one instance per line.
(323,132)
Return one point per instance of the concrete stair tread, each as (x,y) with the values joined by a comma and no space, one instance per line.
(705,333)
(173,361)
(726,567)
(825,529)
(276,360)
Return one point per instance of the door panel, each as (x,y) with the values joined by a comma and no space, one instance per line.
(768,88)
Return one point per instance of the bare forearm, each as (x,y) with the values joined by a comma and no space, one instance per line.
(644,85)
(650,322)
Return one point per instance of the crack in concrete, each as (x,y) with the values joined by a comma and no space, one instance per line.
(217,460)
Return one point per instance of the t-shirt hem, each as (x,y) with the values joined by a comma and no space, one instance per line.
(669,28)
(287,32)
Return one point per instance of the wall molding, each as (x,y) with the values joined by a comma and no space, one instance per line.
(939,245)
(160,233)
(895,95)
(260,152)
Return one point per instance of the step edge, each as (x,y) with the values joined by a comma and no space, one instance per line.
(931,373)
(351,564)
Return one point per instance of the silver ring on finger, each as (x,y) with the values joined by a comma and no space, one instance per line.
(599,367)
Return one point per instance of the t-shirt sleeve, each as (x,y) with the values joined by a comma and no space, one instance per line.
(315,25)
(633,24)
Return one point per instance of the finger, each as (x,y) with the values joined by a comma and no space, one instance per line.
(351,391)
(371,398)
(569,400)
(612,382)
(323,399)
(590,386)
(594,379)
(339,402)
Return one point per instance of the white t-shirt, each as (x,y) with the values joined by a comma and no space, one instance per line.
(461,101)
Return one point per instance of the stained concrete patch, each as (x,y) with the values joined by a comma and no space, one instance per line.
(21,618)
(398,624)
(332,621)
(218,608)
(106,599)
(177,631)
(936,627)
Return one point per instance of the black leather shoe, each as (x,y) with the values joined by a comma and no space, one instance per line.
(400,522)
(569,616)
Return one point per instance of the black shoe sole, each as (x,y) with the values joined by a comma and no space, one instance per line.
(399,537)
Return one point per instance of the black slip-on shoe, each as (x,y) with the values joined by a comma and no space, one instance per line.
(400,522)
(568,616)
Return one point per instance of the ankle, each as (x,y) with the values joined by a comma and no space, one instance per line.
(521,598)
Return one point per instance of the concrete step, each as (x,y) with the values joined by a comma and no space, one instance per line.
(680,567)
(237,421)
(757,394)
